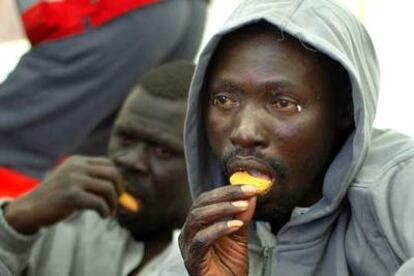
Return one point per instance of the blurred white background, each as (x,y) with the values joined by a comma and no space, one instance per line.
(389,22)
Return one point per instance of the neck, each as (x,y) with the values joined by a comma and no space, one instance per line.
(278,224)
(154,245)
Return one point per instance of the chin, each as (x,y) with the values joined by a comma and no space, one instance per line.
(136,228)
(277,211)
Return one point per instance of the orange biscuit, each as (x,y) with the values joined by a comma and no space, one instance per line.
(243,177)
(128,202)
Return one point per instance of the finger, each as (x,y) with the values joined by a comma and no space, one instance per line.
(225,193)
(104,189)
(107,172)
(203,216)
(204,239)
(200,218)
(100,160)
(89,201)
(246,217)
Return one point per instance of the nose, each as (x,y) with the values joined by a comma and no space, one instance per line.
(247,132)
(134,159)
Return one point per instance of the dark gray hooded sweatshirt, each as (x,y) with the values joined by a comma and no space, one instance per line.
(364,223)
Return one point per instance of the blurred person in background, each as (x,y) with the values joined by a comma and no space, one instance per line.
(85,56)
(71,223)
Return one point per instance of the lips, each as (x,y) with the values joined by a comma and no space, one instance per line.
(253,166)
(132,197)
(137,190)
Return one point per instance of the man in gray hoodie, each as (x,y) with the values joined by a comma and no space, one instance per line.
(55,230)
(287,92)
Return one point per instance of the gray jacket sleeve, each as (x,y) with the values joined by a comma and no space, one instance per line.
(402,206)
(15,248)
(407,269)
(394,204)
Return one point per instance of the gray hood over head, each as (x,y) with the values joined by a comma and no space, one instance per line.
(332,30)
(363,224)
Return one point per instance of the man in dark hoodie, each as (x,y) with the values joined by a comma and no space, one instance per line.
(287,92)
(49,231)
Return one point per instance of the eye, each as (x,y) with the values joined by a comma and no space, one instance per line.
(161,152)
(126,137)
(223,101)
(285,105)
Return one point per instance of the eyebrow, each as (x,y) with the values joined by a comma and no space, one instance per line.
(280,84)
(225,83)
(271,84)
(160,138)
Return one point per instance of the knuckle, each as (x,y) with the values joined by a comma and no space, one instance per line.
(77,158)
(198,242)
(74,159)
(74,165)
(235,191)
(113,173)
(102,207)
(200,199)
(74,180)
(195,219)
(73,197)
(107,188)
(222,227)
(195,215)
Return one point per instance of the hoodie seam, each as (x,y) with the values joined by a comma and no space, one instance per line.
(292,13)
(381,233)
(374,214)
(4,271)
(301,245)
(391,165)
(377,225)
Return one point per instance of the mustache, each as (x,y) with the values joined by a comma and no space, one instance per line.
(278,166)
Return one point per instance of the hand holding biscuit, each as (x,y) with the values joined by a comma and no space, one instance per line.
(79,183)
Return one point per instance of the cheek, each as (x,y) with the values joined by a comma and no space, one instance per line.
(306,143)
(218,129)
(170,181)
(167,172)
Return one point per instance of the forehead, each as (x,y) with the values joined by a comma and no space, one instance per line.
(257,54)
(158,118)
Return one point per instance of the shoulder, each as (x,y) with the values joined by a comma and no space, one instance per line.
(382,194)
(386,178)
(390,154)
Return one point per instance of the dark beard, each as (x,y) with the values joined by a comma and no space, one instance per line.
(279,168)
(277,212)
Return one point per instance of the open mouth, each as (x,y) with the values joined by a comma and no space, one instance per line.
(250,170)
(135,197)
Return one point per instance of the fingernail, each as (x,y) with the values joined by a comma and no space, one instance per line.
(240,204)
(234,224)
(248,189)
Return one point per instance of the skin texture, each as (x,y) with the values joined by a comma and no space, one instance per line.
(146,159)
(268,108)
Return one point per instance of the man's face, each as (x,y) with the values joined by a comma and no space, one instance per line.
(146,145)
(269,111)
